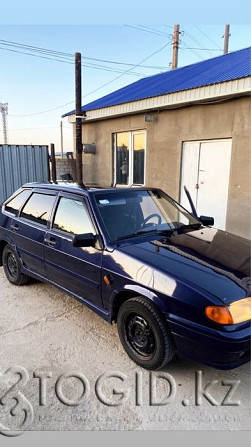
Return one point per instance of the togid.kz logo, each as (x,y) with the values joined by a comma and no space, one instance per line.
(16,412)
(111,389)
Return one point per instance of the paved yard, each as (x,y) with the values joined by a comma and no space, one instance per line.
(52,335)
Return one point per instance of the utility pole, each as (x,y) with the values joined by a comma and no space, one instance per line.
(176,42)
(226,38)
(79,115)
(4,112)
(61,139)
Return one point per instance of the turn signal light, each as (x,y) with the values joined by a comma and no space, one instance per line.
(236,312)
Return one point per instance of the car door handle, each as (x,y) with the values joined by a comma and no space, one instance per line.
(50,241)
(14,227)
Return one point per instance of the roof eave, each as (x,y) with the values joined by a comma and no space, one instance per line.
(213,92)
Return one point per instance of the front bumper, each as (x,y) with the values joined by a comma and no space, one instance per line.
(217,348)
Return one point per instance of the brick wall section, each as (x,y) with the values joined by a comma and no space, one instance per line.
(65,166)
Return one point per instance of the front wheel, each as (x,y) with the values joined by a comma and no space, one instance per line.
(12,267)
(144,333)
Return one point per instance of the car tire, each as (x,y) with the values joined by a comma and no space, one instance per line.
(12,267)
(144,333)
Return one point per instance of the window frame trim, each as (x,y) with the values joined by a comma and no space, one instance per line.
(16,194)
(33,222)
(131,150)
(70,196)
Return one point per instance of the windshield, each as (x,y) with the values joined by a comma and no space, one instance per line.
(129,213)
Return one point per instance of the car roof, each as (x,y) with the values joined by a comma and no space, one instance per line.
(74,187)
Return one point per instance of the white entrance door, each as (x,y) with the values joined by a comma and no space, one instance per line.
(205,173)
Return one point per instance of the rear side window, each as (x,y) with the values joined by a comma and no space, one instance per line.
(14,205)
(38,208)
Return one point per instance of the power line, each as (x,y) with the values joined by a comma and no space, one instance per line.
(137,65)
(66,56)
(45,111)
(33,48)
(94,66)
(154,30)
(148,31)
(104,68)
(192,50)
(195,40)
(123,63)
(209,38)
(35,55)
(200,49)
(102,86)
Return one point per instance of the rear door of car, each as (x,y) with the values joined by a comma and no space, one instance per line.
(29,227)
(76,269)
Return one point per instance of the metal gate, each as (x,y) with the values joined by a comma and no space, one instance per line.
(21,164)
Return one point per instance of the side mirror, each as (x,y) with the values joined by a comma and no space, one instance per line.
(84,240)
(206,220)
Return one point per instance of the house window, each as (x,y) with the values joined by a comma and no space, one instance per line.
(129,153)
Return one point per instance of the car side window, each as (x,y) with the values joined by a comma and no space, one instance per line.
(14,205)
(38,208)
(72,216)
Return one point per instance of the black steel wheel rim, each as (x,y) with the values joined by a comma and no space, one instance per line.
(140,335)
(12,266)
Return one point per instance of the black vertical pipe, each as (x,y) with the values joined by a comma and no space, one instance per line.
(53,164)
(79,113)
(48,163)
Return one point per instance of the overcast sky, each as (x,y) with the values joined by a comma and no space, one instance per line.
(39,85)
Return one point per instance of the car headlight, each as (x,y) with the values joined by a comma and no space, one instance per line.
(236,312)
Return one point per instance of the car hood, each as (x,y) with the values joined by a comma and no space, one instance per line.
(207,259)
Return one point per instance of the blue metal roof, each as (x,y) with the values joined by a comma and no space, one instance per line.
(223,68)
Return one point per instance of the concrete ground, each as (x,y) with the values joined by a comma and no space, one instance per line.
(53,336)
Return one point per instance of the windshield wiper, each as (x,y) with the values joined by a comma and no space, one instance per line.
(167,232)
(184,227)
(141,232)
(137,233)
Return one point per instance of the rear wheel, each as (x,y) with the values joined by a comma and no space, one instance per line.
(144,333)
(12,267)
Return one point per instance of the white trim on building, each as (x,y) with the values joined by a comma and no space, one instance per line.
(223,90)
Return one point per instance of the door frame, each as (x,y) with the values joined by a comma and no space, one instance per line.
(200,142)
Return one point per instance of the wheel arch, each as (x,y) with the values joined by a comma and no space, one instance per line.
(3,243)
(125,293)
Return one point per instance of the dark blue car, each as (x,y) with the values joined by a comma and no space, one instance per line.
(136,257)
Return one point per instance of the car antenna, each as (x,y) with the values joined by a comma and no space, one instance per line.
(190,201)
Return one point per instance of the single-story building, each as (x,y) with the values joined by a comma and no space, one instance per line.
(190,126)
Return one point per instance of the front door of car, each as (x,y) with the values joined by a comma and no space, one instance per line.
(28,230)
(76,269)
